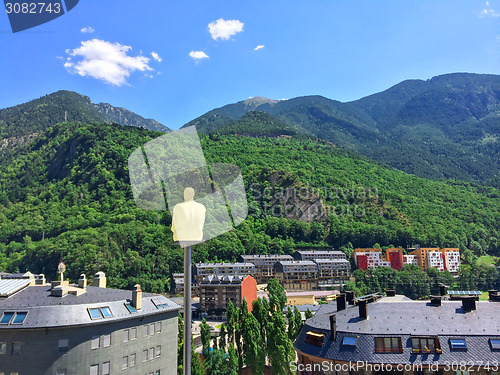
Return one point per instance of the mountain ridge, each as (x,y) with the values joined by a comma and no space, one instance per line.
(446,127)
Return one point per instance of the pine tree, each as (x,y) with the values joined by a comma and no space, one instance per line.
(253,347)
(205,337)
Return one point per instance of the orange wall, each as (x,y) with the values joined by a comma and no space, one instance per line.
(249,291)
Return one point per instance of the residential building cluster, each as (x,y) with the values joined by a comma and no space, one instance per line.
(218,283)
(447,259)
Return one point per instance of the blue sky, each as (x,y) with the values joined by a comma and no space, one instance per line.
(342,50)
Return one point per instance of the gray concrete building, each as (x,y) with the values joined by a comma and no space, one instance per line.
(63,329)
(264,264)
(319,254)
(202,270)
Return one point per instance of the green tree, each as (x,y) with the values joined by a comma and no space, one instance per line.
(205,337)
(277,295)
(308,314)
(253,346)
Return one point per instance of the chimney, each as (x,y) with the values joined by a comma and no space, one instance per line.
(442,289)
(333,327)
(40,280)
(468,303)
(350,297)
(491,293)
(363,312)
(390,292)
(99,280)
(436,300)
(137,297)
(82,281)
(59,291)
(341,302)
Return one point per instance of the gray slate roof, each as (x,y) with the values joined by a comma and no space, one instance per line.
(45,310)
(404,319)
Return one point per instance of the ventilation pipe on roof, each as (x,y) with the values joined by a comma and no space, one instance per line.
(468,303)
(341,302)
(390,292)
(82,281)
(137,297)
(363,311)
(99,280)
(442,289)
(333,327)
(350,297)
(436,300)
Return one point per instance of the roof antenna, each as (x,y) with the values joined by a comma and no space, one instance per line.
(61,268)
(66,116)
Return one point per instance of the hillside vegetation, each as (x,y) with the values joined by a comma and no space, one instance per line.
(66,194)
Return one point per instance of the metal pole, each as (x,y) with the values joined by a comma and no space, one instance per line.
(187,310)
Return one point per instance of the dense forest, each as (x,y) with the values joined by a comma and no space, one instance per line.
(65,194)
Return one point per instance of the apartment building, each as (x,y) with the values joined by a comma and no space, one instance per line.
(451,259)
(217,291)
(368,258)
(332,271)
(399,336)
(202,270)
(297,274)
(264,264)
(63,329)
(319,254)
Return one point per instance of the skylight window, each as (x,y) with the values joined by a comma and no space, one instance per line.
(458,344)
(106,312)
(19,318)
(495,344)
(6,317)
(131,309)
(95,313)
(349,340)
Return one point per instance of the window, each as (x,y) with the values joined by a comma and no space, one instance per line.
(425,344)
(152,329)
(125,362)
(158,327)
(16,348)
(94,370)
(131,309)
(3,348)
(131,362)
(126,335)
(94,344)
(146,330)
(95,314)
(6,317)
(458,344)
(133,333)
(495,344)
(106,312)
(19,318)
(100,312)
(105,368)
(349,340)
(388,345)
(151,353)
(315,338)
(144,355)
(63,345)
(157,372)
(158,351)
(106,340)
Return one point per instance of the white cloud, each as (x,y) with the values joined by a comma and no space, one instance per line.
(198,55)
(106,61)
(224,29)
(87,29)
(260,46)
(156,56)
(59,57)
(488,11)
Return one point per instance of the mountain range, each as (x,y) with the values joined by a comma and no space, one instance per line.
(40,114)
(445,127)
